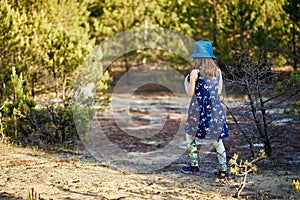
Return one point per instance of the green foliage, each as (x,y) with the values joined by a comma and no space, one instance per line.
(102,88)
(231,25)
(9,45)
(44,42)
(239,21)
(82,117)
(291,84)
(292,8)
(47,41)
(295,109)
(111,17)
(67,42)
(54,123)
(16,106)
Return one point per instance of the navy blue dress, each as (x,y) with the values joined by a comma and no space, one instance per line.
(206,117)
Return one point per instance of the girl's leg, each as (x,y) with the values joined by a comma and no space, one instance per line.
(193,166)
(188,139)
(193,151)
(193,154)
(221,152)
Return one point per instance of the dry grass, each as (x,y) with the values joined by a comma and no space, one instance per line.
(283,69)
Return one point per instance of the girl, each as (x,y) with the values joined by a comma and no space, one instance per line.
(206,118)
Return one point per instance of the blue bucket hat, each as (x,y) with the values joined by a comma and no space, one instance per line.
(203,49)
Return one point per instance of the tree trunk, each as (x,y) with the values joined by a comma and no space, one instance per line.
(64,88)
(56,87)
(215,20)
(32,88)
(266,141)
(240,129)
(294,47)
(124,27)
(56,81)
(267,146)
(242,34)
(254,112)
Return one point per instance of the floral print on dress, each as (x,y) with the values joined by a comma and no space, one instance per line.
(206,118)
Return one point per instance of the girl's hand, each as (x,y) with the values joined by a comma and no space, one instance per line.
(188,77)
(190,82)
(186,83)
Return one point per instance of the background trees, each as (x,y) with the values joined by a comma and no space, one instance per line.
(44,42)
(291,7)
(49,39)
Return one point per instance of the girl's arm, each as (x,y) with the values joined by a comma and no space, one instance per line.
(190,86)
(220,84)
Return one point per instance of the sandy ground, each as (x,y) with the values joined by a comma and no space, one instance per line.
(63,178)
(58,176)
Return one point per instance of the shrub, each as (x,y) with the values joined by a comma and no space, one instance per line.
(242,168)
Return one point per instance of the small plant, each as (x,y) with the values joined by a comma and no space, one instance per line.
(1,125)
(295,109)
(242,168)
(296,185)
(34,195)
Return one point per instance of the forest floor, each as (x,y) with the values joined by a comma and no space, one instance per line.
(70,171)
(72,174)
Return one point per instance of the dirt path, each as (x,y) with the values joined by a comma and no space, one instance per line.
(62,177)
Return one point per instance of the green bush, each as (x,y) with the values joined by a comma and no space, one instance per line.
(54,123)
(295,109)
(15,107)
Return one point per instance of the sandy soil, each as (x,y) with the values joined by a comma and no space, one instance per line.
(55,175)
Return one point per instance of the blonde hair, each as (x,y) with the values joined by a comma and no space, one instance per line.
(208,67)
